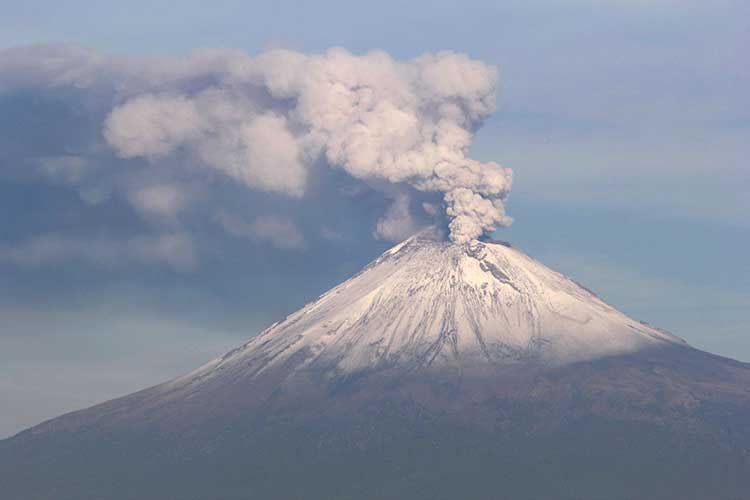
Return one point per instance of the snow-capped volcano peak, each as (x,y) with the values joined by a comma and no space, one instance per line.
(431,303)
(469,358)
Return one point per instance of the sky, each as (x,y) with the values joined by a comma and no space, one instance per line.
(130,257)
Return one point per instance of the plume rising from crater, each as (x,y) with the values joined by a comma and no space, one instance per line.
(266,120)
(269,121)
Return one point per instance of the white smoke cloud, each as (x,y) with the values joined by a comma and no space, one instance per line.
(269,121)
(152,126)
(398,222)
(471,214)
(164,200)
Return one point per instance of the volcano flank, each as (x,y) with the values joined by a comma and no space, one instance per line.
(439,371)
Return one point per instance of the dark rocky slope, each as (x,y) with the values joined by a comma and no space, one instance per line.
(481,385)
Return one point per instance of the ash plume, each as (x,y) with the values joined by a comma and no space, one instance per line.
(268,121)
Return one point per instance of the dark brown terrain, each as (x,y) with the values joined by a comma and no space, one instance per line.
(314,408)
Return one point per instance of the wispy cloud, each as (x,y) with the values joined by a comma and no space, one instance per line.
(176,250)
(280,232)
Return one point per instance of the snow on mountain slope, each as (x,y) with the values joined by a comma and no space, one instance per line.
(438,369)
(431,303)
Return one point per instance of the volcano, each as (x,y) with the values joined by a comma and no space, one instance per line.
(439,371)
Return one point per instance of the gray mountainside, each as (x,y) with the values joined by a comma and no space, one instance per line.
(438,371)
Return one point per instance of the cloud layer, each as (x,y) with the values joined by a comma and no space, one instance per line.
(272,121)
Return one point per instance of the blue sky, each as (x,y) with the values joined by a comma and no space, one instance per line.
(626,124)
